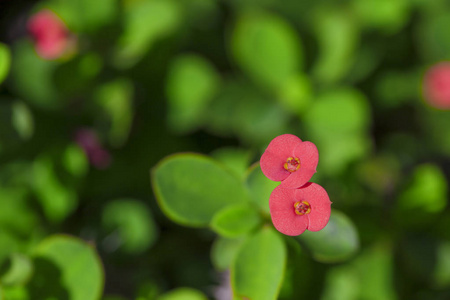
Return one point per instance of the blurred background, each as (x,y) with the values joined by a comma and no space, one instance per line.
(93,94)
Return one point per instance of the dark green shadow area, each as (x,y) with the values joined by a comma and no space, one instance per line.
(47,283)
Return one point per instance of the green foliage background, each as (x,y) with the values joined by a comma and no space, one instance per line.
(185,95)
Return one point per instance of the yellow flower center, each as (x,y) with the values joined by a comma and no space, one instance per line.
(302,208)
(292,164)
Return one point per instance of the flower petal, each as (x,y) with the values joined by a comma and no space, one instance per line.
(436,86)
(297,179)
(309,158)
(308,154)
(276,154)
(320,203)
(281,204)
(272,166)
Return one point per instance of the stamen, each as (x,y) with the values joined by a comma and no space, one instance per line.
(302,208)
(292,164)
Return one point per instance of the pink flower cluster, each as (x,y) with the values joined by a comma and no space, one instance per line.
(51,36)
(436,86)
(88,140)
(296,204)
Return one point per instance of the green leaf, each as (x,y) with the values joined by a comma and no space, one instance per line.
(10,243)
(33,77)
(338,36)
(341,111)
(19,269)
(378,283)
(258,270)
(16,213)
(22,120)
(224,251)
(341,283)
(337,242)
(116,99)
(145,23)
(242,110)
(258,120)
(75,160)
(191,188)
(393,89)
(13,117)
(442,267)
(434,39)
(66,268)
(14,293)
(267,48)
(237,160)
(380,173)
(89,65)
(74,78)
(338,123)
(84,15)
(434,121)
(387,15)
(57,200)
(133,222)
(426,193)
(147,290)
(260,187)
(18,220)
(5,61)
(235,220)
(115,298)
(296,94)
(183,294)
(369,276)
(366,61)
(191,84)
(93,15)
(338,151)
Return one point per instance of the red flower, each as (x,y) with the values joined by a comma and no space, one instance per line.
(295,210)
(52,38)
(89,142)
(436,86)
(289,160)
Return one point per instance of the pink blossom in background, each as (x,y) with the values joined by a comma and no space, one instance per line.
(290,160)
(224,291)
(51,36)
(295,210)
(87,139)
(436,86)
